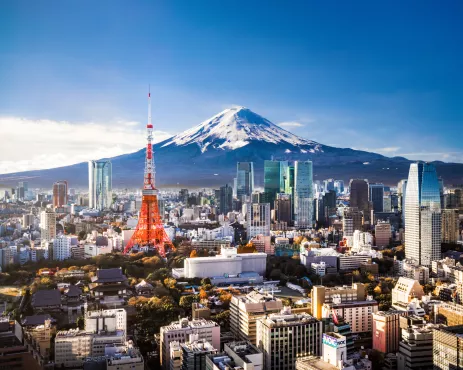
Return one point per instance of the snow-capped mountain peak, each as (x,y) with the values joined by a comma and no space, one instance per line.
(234,128)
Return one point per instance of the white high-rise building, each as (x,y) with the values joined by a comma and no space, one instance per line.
(100,184)
(303,194)
(423,214)
(47,225)
(62,247)
(258,219)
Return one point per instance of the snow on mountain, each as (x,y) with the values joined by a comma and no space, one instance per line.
(235,128)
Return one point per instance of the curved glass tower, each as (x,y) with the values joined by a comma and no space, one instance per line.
(423,214)
(100,184)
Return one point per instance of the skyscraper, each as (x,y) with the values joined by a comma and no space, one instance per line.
(244,179)
(226,199)
(339,186)
(274,179)
(450,225)
(402,193)
(303,194)
(258,219)
(22,189)
(60,193)
(359,196)
(47,225)
(377,197)
(289,187)
(423,214)
(283,208)
(100,184)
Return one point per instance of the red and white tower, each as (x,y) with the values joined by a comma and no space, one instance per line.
(150,230)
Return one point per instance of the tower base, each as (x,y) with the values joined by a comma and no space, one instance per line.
(150,230)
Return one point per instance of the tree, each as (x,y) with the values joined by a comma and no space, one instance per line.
(203,294)
(82,235)
(80,322)
(159,275)
(186,301)
(206,281)
(170,283)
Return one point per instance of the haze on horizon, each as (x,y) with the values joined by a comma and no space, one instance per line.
(382,77)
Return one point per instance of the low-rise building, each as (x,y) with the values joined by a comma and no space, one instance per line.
(245,310)
(416,347)
(180,332)
(236,355)
(405,290)
(322,295)
(357,313)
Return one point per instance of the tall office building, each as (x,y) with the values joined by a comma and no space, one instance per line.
(351,221)
(377,197)
(328,185)
(359,196)
(226,199)
(258,219)
(245,310)
(423,214)
(289,186)
(303,194)
(47,225)
(274,179)
(60,194)
(339,186)
(450,225)
(100,184)
(22,189)
(447,345)
(283,208)
(284,337)
(454,199)
(244,179)
(402,193)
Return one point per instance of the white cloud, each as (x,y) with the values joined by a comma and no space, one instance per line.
(27,144)
(454,157)
(391,149)
(290,124)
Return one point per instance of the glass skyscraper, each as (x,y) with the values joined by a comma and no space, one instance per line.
(244,179)
(377,197)
(100,184)
(303,194)
(423,214)
(274,179)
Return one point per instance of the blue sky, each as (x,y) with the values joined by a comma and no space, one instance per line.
(381,76)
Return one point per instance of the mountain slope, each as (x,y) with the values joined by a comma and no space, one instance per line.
(206,156)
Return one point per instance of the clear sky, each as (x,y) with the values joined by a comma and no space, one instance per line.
(382,76)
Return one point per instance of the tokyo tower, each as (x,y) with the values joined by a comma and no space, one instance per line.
(150,230)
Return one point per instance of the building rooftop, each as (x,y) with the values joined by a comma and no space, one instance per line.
(242,349)
(352,304)
(198,346)
(109,276)
(72,291)
(314,363)
(286,318)
(36,320)
(192,324)
(45,298)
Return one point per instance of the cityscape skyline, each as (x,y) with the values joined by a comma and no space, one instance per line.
(402,81)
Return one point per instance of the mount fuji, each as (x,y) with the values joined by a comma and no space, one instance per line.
(206,156)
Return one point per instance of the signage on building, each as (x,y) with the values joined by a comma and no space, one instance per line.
(333,342)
